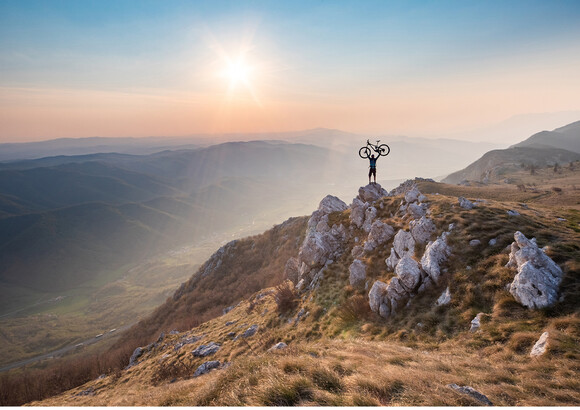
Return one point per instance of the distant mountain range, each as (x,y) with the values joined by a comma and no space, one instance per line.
(545,148)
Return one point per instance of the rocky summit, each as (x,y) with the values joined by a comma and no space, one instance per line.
(427,295)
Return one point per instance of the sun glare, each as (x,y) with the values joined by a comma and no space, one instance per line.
(237,72)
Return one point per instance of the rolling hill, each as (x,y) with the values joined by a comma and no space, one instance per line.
(567,137)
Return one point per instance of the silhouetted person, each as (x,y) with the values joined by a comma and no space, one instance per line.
(373,168)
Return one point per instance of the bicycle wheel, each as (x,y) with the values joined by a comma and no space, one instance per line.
(384,150)
(364,152)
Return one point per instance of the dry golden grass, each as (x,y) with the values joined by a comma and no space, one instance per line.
(340,354)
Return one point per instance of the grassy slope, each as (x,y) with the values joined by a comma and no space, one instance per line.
(342,354)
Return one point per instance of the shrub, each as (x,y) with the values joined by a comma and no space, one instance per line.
(285,297)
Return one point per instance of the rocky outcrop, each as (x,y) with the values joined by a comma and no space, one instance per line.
(322,242)
(408,272)
(445,298)
(371,193)
(251,331)
(392,260)
(358,274)
(292,270)
(538,277)
(435,254)
(476,322)
(379,234)
(422,229)
(370,215)
(540,346)
(357,212)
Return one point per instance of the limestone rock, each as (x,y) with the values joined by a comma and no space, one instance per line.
(465,203)
(412,194)
(251,331)
(206,367)
(538,279)
(408,272)
(404,243)
(357,251)
(474,242)
(445,298)
(357,212)
(435,254)
(378,290)
(417,211)
(476,322)
(471,392)
(358,274)
(379,233)
(331,204)
(370,215)
(371,193)
(492,242)
(137,353)
(513,212)
(540,346)
(422,229)
(392,260)
(279,346)
(206,350)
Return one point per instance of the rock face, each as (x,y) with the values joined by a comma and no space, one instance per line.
(357,213)
(358,274)
(370,215)
(422,229)
(378,290)
(292,270)
(540,346)
(392,260)
(538,279)
(435,254)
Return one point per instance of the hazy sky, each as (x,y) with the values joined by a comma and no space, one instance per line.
(139,68)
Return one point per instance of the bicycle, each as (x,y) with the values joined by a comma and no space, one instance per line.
(381,150)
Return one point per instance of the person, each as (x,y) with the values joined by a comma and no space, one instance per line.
(373,168)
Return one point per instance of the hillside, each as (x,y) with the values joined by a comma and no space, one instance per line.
(429,316)
(546,148)
(567,137)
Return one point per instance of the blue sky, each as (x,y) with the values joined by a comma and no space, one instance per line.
(312,63)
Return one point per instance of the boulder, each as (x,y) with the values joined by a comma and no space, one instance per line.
(422,229)
(465,203)
(408,272)
(379,233)
(412,194)
(540,346)
(331,204)
(397,295)
(371,193)
(358,274)
(370,215)
(357,251)
(206,367)
(538,277)
(137,353)
(404,243)
(416,211)
(206,350)
(357,212)
(435,254)
(376,294)
(445,298)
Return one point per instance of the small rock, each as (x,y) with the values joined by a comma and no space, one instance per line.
(540,346)
(513,212)
(561,219)
(492,242)
(471,392)
(474,242)
(251,331)
(206,350)
(206,367)
(476,322)
(445,298)
(279,346)
(465,203)
(231,322)
(231,335)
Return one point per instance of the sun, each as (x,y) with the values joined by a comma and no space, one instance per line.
(237,72)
